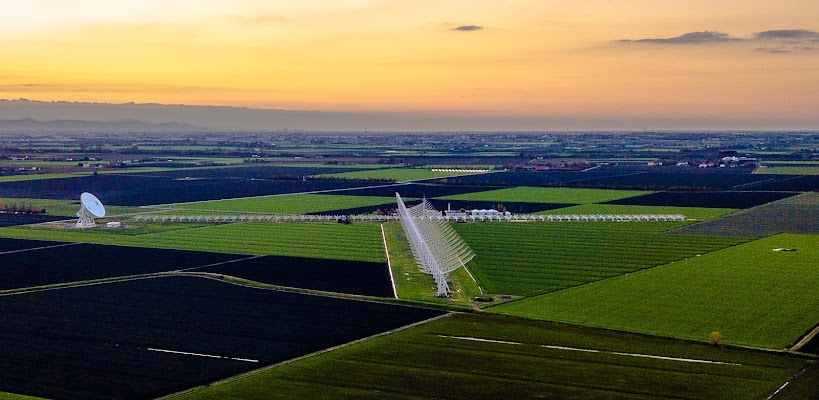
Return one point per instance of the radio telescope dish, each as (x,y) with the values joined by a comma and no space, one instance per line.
(90,208)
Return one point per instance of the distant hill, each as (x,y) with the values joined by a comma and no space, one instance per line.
(213,118)
(29,125)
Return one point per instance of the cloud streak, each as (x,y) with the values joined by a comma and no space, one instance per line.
(703,37)
(799,35)
(467,28)
(777,41)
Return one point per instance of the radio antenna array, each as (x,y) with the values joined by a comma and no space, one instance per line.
(437,248)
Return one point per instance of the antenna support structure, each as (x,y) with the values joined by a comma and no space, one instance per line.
(437,248)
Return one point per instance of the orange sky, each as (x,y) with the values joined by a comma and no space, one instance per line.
(531,58)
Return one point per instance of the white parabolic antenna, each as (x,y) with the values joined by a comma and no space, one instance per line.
(90,208)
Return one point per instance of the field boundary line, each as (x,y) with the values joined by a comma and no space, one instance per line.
(389,263)
(292,360)
(805,339)
(39,248)
(248,257)
(555,347)
(93,282)
(779,389)
(308,292)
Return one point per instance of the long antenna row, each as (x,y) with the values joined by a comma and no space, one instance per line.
(437,248)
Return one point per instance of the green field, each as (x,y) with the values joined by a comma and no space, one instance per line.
(691,213)
(538,257)
(751,294)
(394,174)
(548,195)
(806,170)
(12,396)
(442,360)
(318,240)
(288,204)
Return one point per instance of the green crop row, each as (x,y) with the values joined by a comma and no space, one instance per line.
(319,240)
(532,258)
(751,294)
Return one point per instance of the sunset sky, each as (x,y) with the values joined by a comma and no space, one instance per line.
(720,60)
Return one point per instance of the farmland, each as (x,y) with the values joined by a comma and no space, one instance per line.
(479,357)
(704,199)
(149,337)
(639,178)
(140,189)
(416,190)
(393,174)
(749,293)
(529,259)
(351,277)
(82,262)
(797,214)
(10,245)
(789,170)
(357,242)
(563,310)
(289,204)
(548,195)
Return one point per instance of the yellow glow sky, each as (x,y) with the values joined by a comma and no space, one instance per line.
(537,58)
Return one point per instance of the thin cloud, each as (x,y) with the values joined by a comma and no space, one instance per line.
(467,28)
(703,37)
(799,35)
(784,41)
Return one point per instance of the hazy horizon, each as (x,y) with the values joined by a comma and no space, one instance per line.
(207,117)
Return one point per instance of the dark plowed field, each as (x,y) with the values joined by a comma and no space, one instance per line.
(511,206)
(250,172)
(136,190)
(20,244)
(704,199)
(146,338)
(408,190)
(80,262)
(666,179)
(807,183)
(531,178)
(352,277)
(357,210)
(25,219)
